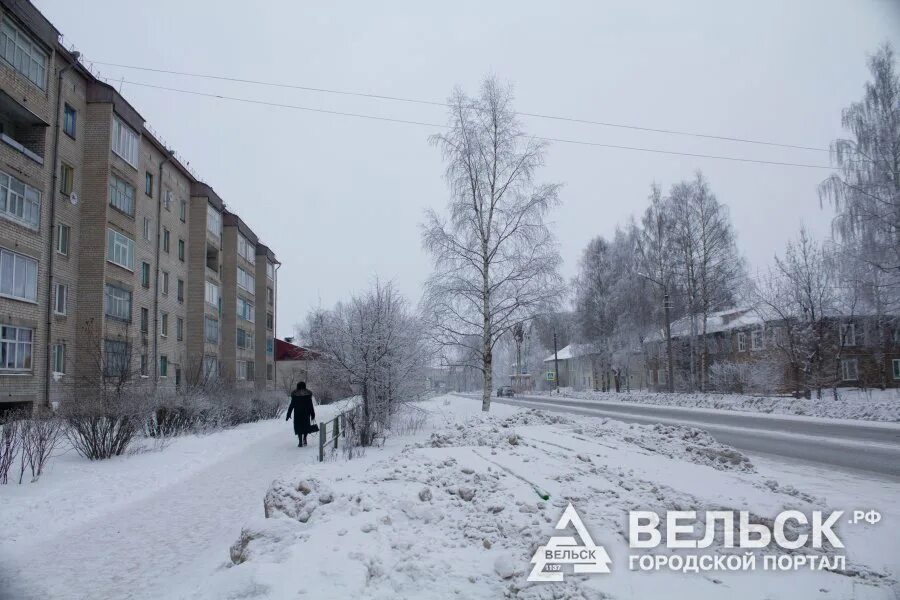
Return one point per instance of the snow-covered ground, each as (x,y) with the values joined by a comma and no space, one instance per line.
(438,512)
(869,405)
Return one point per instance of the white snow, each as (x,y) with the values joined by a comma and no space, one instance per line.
(450,510)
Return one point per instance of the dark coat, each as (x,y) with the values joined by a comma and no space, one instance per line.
(302,407)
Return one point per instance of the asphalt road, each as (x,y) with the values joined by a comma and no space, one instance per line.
(858,445)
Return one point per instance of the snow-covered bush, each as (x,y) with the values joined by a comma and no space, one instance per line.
(10,443)
(743,377)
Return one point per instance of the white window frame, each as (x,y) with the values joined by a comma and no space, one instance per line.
(167,200)
(117,306)
(164,366)
(13,344)
(270,270)
(742,341)
(245,248)
(147,228)
(58,359)
(245,280)
(212,289)
(23,53)
(179,329)
(241,370)
(214,221)
(245,310)
(895,365)
(846,364)
(121,195)
(848,335)
(119,247)
(208,322)
(19,202)
(210,365)
(164,325)
(63,238)
(757,339)
(125,141)
(60,295)
(165,283)
(11,265)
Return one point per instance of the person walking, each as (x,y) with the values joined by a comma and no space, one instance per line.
(304,412)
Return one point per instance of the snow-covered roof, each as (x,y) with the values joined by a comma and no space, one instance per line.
(572,351)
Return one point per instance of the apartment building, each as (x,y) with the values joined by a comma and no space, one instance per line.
(113,257)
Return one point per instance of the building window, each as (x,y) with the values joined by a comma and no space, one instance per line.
(163,365)
(212,294)
(245,248)
(117,303)
(210,366)
(270,296)
(58,358)
(116,358)
(60,298)
(19,202)
(69,121)
(166,237)
(62,239)
(270,371)
(270,345)
(182,211)
(167,201)
(147,228)
(211,328)
(145,320)
(164,326)
(896,364)
(124,142)
(244,339)
(213,222)
(180,290)
(270,321)
(18,276)
(270,270)
(165,283)
(15,348)
(145,274)
(179,329)
(245,309)
(144,365)
(177,376)
(24,55)
(148,183)
(181,250)
(244,280)
(119,249)
(848,334)
(756,339)
(66,178)
(849,369)
(245,369)
(742,342)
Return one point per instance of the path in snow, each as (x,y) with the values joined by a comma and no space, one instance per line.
(151,545)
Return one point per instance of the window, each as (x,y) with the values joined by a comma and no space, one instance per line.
(244,339)
(145,274)
(119,249)
(181,250)
(212,294)
(69,121)
(18,276)
(180,289)
(167,201)
(211,328)
(270,321)
(270,345)
(179,329)
(66,178)
(210,366)
(15,348)
(124,141)
(250,370)
(213,222)
(244,369)
(19,202)
(116,356)
(245,309)
(143,365)
(245,248)
(270,270)
(182,211)
(58,358)
(244,280)
(165,283)
(661,376)
(148,183)
(849,369)
(177,376)
(166,237)
(147,228)
(848,334)
(60,297)
(117,303)
(163,365)
(164,326)
(742,342)
(270,296)
(145,320)
(270,371)
(62,239)
(756,339)
(25,56)
(896,365)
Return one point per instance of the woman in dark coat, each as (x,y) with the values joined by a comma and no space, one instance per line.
(304,413)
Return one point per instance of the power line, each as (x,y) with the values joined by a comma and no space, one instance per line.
(445,105)
(444,126)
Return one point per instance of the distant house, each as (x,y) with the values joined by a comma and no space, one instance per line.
(582,367)
(292,364)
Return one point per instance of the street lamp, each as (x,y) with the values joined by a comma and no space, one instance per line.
(665,289)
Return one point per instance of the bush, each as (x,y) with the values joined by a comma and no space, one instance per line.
(743,377)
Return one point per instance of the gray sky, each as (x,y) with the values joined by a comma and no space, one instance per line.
(340,199)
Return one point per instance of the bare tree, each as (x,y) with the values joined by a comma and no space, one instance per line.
(496,261)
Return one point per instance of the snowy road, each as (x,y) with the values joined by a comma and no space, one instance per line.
(160,534)
(863,445)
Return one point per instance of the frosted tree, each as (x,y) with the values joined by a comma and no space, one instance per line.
(495,259)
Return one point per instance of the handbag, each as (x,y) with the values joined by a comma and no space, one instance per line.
(313,426)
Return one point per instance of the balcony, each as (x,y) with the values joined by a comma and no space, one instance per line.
(21,129)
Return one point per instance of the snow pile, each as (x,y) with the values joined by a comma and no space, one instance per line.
(867,405)
(460,511)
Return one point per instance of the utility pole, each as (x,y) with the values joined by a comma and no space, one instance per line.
(670,379)
(556,362)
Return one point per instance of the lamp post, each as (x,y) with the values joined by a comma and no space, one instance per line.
(670,380)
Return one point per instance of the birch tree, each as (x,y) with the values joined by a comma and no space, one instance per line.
(495,260)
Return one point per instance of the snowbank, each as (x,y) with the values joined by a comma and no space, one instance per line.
(458,509)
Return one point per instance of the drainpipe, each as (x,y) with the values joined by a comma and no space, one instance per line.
(50,250)
(274,326)
(159,187)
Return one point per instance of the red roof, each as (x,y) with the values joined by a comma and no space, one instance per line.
(287,351)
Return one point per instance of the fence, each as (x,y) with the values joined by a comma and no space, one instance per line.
(338,428)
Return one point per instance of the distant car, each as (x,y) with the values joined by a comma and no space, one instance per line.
(505,391)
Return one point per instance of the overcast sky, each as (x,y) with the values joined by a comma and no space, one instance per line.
(340,199)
